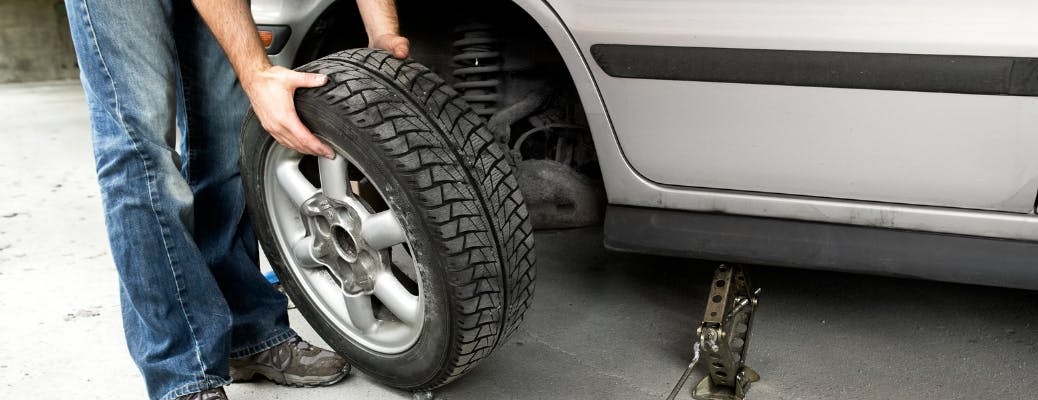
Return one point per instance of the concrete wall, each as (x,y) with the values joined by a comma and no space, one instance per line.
(34,42)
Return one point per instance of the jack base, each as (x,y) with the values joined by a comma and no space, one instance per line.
(706,390)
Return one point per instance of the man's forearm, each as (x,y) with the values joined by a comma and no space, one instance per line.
(380,21)
(270,89)
(231,22)
(379,17)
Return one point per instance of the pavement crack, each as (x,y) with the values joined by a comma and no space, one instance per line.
(596,370)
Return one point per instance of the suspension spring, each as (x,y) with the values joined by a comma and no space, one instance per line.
(477,62)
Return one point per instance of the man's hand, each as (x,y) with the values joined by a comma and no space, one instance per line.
(395,44)
(271,93)
(270,89)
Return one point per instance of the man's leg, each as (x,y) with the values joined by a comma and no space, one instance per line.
(177,325)
(261,342)
(215,106)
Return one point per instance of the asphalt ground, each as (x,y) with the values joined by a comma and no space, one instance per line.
(604,325)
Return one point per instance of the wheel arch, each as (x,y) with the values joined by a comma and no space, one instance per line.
(611,161)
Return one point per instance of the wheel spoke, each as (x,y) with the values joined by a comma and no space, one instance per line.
(397,299)
(334,179)
(360,312)
(301,253)
(383,230)
(293,182)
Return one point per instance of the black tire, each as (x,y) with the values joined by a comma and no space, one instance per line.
(437,166)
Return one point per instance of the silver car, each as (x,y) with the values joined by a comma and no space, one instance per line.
(884,137)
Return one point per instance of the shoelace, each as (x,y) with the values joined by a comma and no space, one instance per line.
(299,343)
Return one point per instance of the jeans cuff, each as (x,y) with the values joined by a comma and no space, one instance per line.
(274,340)
(210,382)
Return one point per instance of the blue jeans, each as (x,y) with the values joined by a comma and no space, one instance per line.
(192,294)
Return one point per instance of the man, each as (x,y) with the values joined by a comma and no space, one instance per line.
(196,311)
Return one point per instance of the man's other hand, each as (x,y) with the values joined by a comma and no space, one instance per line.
(395,44)
(271,92)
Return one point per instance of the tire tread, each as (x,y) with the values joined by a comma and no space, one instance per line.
(464,183)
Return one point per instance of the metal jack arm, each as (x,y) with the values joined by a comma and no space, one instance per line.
(723,338)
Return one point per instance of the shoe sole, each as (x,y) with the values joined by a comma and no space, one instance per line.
(284,379)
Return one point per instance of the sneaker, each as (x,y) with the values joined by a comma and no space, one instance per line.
(211,394)
(292,363)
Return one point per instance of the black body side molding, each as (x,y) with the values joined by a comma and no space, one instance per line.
(733,238)
(877,71)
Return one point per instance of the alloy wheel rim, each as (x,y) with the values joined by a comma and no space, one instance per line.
(352,261)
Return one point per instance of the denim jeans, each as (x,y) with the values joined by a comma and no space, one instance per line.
(191,292)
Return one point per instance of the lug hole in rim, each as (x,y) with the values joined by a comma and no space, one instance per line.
(344,244)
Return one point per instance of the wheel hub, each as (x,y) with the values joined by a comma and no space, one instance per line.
(335,226)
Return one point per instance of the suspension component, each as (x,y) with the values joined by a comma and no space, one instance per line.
(478,67)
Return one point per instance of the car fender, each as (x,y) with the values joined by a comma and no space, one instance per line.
(298,15)
(618,175)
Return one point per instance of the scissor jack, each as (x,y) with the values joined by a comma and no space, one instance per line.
(723,338)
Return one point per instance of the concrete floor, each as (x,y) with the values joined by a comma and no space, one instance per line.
(603,326)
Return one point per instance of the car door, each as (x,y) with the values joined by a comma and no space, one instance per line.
(926,102)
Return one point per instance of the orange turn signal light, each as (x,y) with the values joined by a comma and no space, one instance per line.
(267,38)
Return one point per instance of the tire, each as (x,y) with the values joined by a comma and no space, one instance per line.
(411,149)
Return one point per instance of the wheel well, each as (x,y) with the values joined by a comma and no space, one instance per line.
(504,65)
(339,27)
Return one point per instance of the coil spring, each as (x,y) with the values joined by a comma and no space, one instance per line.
(477,63)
